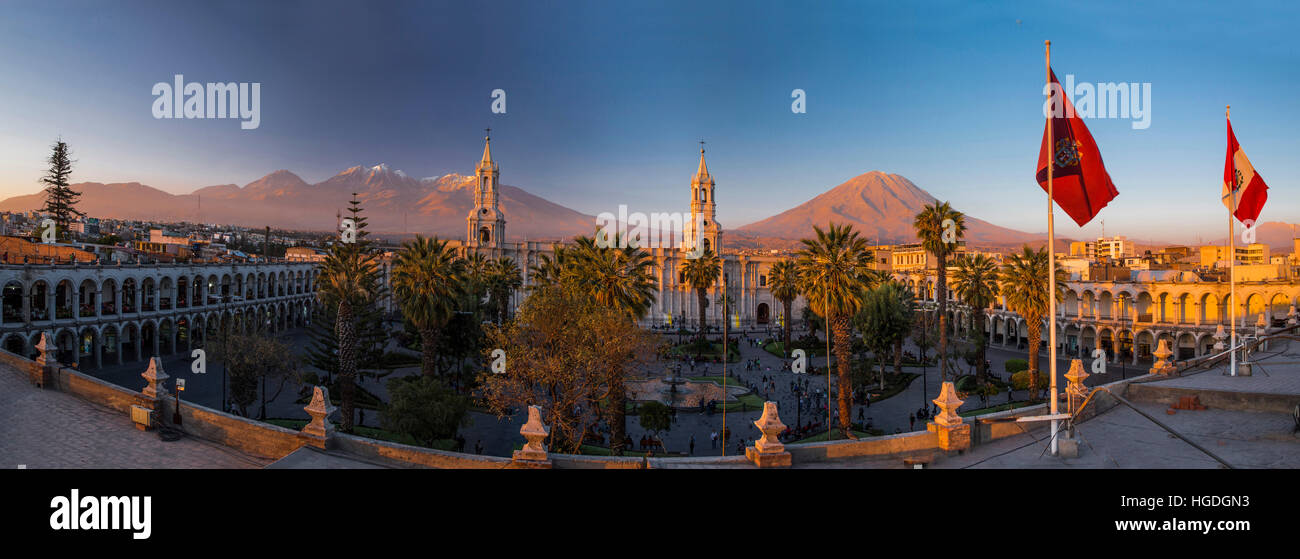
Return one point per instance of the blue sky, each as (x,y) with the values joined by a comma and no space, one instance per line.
(606,100)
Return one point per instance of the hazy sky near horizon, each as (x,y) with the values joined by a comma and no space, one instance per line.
(606,101)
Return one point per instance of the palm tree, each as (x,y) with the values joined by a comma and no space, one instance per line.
(548,269)
(618,278)
(349,278)
(503,279)
(831,268)
(783,280)
(976,282)
(428,280)
(701,273)
(930,225)
(1023,282)
(477,269)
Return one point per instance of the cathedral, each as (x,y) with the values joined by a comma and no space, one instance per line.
(676,303)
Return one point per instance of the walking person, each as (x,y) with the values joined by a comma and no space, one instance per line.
(692,444)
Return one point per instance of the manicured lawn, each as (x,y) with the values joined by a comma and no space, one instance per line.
(714,352)
(777,348)
(748,402)
(717,379)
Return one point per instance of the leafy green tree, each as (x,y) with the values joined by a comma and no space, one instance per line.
(562,349)
(60,199)
(930,229)
(251,359)
(831,267)
(424,408)
(885,318)
(656,418)
(1023,282)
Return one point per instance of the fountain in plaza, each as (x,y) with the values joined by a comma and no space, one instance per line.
(673,390)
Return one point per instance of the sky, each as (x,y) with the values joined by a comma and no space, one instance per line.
(606,101)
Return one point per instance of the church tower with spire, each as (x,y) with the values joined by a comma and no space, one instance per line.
(703,226)
(486,225)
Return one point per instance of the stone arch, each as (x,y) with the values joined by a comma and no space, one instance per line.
(166,336)
(149,342)
(14,343)
(166,293)
(1211,309)
(66,342)
(13,304)
(131,349)
(1279,305)
(1256,308)
(184,334)
(1145,305)
(40,300)
(109,294)
(1186,347)
(64,299)
(130,288)
(148,294)
(1204,344)
(182,292)
(110,344)
(1144,344)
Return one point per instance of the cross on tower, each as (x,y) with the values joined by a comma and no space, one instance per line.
(488,132)
(701,146)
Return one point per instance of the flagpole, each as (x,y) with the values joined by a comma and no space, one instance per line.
(1051,258)
(1232,254)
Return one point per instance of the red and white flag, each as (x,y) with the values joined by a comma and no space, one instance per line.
(1240,178)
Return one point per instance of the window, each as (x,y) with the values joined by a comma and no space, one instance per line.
(762,280)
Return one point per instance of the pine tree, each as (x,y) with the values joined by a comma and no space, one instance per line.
(371,335)
(60,199)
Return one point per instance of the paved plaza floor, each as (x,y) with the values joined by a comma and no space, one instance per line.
(42,428)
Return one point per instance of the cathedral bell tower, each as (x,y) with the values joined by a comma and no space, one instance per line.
(486,225)
(703,226)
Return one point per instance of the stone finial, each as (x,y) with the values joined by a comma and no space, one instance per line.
(768,452)
(953,434)
(1220,338)
(154,377)
(319,409)
(1074,377)
(771,427)
(948,404)
(534,432)
(1261,325)
(45,347)
(1163,365)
